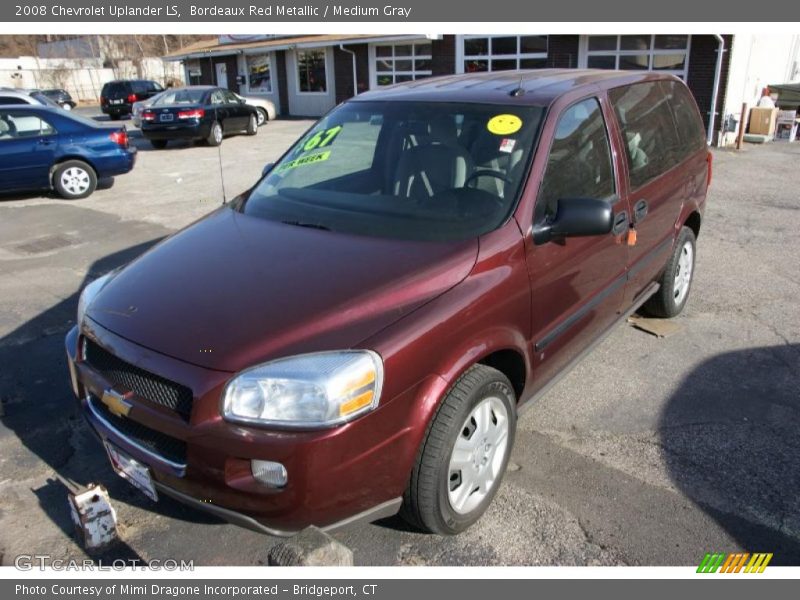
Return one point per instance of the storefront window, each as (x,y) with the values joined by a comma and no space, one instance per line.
(668,53)
(311,75)
(259,74)
(396,63)
(504,52)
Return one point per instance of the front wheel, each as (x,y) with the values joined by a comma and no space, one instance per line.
(263,117)
(464,454)
(158,144)
(676,281)
(74,179)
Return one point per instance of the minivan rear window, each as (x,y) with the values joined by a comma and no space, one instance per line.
(409,170)
(652,145)
(687,118)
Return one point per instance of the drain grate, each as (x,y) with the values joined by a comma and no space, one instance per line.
(45,244)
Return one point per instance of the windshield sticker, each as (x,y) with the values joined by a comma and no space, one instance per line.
(320,139)
(507,145)
(304,160)
(504,124)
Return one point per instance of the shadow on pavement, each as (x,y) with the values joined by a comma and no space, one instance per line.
(729,436)
(39,408)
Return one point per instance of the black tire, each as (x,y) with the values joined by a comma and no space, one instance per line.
(666,302)
(426,503)
(252,125)
(213,139)
(263,117)
(114,117)
(85,177)
(158,144)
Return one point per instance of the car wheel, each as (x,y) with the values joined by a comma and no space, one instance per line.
(74,179)
(114,117)
(66,106)
(676,281)
(215,134)
(252,125)
(158,144)
(263,117)
(464,454)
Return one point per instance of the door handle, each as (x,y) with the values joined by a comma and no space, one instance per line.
(639,211)
(620,223)
(45,142)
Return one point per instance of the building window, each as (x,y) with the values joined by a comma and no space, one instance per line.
(259,74)
(663,53)
(503,52)
(194,72)
(396,63)
(311,75)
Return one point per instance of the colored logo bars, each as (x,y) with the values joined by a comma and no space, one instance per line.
(734,563)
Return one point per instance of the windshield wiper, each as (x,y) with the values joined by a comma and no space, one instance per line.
(305,224)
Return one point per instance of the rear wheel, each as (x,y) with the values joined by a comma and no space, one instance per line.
(158,144)
(66,106)
(114,117)
(215,134)
(74,179)
(464,455)
(252,125)
(676,281)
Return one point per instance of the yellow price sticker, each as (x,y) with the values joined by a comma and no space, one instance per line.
(304,160)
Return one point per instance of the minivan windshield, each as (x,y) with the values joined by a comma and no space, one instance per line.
(411,170)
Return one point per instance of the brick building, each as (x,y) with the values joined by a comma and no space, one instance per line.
(308,75)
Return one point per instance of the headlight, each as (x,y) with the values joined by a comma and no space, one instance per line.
(88,294)
(311,390)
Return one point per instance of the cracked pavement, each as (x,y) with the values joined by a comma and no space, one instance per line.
(651,452)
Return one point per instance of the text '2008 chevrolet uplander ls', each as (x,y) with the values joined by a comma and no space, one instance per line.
(356,334)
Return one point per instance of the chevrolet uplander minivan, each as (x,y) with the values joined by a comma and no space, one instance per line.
(356,335)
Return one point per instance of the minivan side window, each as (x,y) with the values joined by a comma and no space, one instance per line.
(691,129)
(579,164)
(652,145)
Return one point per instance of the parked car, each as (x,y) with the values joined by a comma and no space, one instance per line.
(60,97)
(197,113)
(357,333)
(265,108)
(117,97)
(48,148)
(25,97)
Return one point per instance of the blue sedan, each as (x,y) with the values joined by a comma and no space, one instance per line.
(48,148)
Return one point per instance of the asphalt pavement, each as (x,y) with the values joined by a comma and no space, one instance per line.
(651,452)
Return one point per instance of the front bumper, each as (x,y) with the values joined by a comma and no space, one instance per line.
(335,476)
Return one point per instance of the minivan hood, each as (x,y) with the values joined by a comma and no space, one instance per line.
(234,290)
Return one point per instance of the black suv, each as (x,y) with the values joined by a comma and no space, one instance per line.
(60,97)
(118,96)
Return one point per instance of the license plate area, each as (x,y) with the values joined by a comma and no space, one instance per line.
(115,101)
(166,117)
(130,469)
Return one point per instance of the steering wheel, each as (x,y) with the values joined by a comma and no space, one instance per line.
(487,173)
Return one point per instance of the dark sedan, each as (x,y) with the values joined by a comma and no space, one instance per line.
(197,113)
(60,97)
(48,148)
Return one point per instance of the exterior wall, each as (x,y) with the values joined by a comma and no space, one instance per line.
(562,51)
(343,70)
(310,104)
(756,61)
(443,61)
(700,78)
(283,84)
(82,78)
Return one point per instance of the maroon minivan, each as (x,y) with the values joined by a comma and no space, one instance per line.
(356,334)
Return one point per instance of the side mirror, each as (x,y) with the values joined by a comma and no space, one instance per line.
(576,217)
(267,168)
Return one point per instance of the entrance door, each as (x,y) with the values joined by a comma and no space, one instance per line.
(222,74)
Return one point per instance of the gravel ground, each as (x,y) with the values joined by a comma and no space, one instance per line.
(652,451)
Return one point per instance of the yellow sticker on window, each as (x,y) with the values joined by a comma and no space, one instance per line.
(504,124)
(304,160)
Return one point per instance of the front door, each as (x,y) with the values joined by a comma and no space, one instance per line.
(27,150)
(222,74)
(578,283)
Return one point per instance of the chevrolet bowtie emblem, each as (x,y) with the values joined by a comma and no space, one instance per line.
(116,403)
